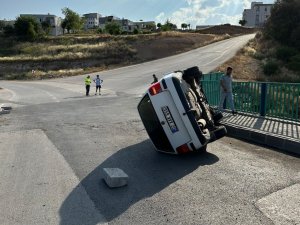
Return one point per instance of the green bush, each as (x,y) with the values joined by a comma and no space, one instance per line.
(295,37)
(284,53)
(28,28)
(113,28)
(258,56)
(136,31)
(284,22)
(294,63)
(270,68)
(8,30)
(99,31)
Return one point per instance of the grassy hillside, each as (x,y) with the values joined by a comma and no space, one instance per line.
(274,54)
(71,55)
(264,59)
(77,54)
(227,29)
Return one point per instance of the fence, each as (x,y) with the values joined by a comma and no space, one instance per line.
(279,100)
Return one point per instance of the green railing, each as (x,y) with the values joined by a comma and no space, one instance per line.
(279,100)
(212,76)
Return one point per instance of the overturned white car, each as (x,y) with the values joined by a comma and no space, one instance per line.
(177,116)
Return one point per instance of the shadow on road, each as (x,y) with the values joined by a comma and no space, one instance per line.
(149,173)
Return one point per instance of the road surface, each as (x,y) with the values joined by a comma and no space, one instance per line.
(55,143)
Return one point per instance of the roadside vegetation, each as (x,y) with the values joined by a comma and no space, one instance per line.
(22,57)
(274,53)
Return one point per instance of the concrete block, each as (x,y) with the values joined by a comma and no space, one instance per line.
(6,107)
(4,111)
(115,177)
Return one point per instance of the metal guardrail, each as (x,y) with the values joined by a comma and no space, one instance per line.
(212,76)
(278,100)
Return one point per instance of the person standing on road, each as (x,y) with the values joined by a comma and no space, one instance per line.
(226,90)
(98,82)
(154,79)
(87,82)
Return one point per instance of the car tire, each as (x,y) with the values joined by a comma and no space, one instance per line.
(218,133)
(217,116)
(203,149)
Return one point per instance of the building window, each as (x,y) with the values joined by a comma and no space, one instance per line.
(266,9)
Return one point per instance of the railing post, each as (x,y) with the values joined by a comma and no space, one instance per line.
(263,99)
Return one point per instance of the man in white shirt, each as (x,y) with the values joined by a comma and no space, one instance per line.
(226,90)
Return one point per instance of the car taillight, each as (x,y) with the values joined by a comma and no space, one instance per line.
(183,149)
(155,89)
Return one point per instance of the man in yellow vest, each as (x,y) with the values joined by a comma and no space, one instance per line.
(87,82)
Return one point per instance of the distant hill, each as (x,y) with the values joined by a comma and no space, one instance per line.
(227,29)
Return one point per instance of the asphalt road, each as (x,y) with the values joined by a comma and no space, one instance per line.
(55,142)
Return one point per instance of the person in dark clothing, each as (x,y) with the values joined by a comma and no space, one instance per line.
(154,79)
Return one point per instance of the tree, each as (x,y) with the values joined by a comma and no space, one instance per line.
(242,22)
(184,26)
(8,30)
(2,25)
(168,26)
(284,23)
(46,27)
(27,27)
(113,28)
(159,25)
(72,20)
(64,26)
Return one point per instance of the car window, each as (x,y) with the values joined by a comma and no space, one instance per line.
(152,125)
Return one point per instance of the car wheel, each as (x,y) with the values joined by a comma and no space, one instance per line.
(217,116)
(203,149)
(219,133)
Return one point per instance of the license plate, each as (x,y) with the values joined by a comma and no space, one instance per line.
(169,118)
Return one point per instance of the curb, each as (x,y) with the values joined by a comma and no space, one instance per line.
(275,141)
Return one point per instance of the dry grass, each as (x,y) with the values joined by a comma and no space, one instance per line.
(71,55)
(47,52)
(244,67)
(248,63)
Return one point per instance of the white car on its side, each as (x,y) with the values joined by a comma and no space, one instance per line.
(177,116)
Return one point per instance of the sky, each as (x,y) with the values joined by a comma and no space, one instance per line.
(194,12)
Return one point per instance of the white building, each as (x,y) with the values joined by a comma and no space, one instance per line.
(107,19)
(54,21)
(8,22)
(91,20)
(257,15)
(145,25)
(125,24)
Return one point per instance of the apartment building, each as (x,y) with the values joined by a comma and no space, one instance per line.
(145,25)
(91,20)
(54,21)
(107,19)
(257,15)
(125,24)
